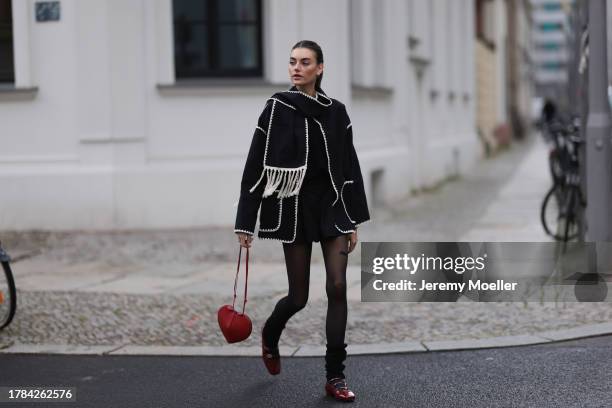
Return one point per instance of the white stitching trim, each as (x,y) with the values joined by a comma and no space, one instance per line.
(284,168)
(245,231)
(284,103)
(313,98)
(280,217)
(328,162)
(264,132)
(268,132)
(294,226)
(306,126)
(342,198)
(349,125)
(361,223)
(263,170)
(344,232)
(296,218)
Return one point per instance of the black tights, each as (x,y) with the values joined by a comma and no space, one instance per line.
(297,259)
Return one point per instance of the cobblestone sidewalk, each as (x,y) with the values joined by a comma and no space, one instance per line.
(164,287)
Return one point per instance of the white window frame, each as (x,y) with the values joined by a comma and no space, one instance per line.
(23,19)
(163,32)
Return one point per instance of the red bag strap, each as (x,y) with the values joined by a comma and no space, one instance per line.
(245,281)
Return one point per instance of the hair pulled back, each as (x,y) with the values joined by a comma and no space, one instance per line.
(311,45)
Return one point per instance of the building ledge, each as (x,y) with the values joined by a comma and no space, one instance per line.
(11,91)
(186,85)
(358,90)
(487,43)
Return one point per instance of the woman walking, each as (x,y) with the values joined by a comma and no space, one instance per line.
(303,171)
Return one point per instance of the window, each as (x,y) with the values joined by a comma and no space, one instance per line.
(217,38)
(7,68)
(552,65)
(550,26)
(549,46)
(551,6)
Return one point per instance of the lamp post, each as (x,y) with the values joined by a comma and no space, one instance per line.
(598,138)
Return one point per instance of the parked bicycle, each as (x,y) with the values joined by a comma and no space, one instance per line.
(562,204)
(8,293)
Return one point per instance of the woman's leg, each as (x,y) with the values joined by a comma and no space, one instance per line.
(297,260)
(336,257)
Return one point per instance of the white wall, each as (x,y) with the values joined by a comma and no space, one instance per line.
(101,146)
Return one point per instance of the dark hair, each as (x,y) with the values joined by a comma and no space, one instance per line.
(319,54)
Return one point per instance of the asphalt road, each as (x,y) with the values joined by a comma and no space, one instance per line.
(568,374)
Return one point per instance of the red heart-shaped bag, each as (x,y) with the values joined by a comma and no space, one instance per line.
(236,326)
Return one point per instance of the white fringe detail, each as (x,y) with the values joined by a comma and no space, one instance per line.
(245,231)
(287,181)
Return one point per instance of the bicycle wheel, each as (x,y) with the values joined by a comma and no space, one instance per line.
(570,227)
(557,213)
(550,211)
(8,296)
(555,167)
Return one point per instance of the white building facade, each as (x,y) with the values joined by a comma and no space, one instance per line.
(127,114)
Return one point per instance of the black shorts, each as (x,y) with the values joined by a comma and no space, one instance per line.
(315,221)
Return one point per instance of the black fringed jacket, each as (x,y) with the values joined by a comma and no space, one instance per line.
(277,159)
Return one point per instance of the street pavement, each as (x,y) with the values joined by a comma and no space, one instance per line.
(126,289)
(128,318)
(567,374)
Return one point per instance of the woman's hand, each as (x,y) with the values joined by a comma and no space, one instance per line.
(352,241)
(244,239)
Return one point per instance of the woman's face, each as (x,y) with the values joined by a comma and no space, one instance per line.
(303,67)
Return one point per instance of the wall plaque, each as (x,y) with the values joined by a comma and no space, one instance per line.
(47,11)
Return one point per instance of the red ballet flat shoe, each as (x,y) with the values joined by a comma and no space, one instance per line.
(337,388)
(271,357)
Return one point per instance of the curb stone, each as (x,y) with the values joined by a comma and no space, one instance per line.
(6,344)
(552,336)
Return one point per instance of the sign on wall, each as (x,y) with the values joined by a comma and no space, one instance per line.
(47,11)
